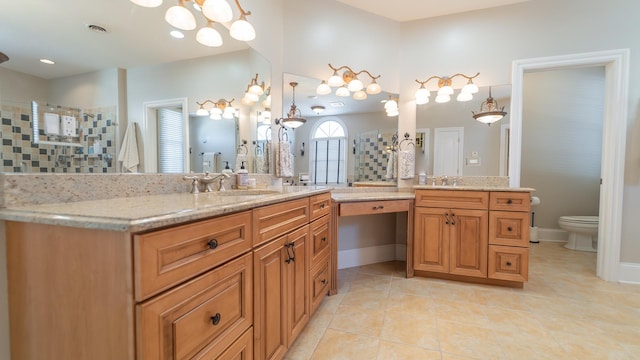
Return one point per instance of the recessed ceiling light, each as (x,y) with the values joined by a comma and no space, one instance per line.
(177,34)
(47,61)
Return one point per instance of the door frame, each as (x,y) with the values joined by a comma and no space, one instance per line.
(150,122)
(616,64)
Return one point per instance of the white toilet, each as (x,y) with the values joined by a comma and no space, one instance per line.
(583,232)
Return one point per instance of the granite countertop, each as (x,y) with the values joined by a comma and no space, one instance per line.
(472,187)
(135,214)
(379,194)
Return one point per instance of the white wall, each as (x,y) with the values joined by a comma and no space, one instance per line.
(489,40)
(19,88)
(90,90)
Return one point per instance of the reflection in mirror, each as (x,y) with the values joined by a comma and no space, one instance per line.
(344,141)
(451,142)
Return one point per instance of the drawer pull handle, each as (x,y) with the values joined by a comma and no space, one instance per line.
(446,218)
(509,201)
(290,257)
(215,319)
(378,207)
(509,228)
(324,281)
(453,219)
(322,206)
(213,243)
(508,263)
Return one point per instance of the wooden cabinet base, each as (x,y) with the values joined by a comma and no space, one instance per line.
(470,279)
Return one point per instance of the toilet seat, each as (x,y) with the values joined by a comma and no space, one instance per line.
(580,219)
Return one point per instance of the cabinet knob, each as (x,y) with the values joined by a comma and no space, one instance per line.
(215,319)
(509,201)
(323,281)
(324,238)
(508,263)
(213,243)
(509,228)
(322,206)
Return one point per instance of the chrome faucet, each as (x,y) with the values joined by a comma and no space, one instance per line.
(207,179)
(444,180)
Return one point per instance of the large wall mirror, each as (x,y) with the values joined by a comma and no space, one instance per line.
(344,141)
(101,88)
(453,143)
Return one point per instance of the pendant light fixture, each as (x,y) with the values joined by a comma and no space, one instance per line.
(348,83)
(213,11)
(445,90)
(294,118)
(490,111)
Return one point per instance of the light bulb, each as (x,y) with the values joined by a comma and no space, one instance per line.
(390,105)
(209,36)
(355,85)
(423,93)
(373,88)
(256,89)
(342,91)
(323,88)
(242,30)
(179,17)
(217,10)
(335,80)
(470,88)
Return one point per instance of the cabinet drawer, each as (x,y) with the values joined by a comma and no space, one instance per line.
(319,205)
(319,283)
(510,201)
(373,207)
(273,221)
(167,257)
(203,316)
(509,228)
(319,240)
(508,263)
(241,349)
(453,199)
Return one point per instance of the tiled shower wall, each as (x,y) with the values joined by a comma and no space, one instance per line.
(20,154)
(372,156)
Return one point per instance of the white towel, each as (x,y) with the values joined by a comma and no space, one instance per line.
(391,166)
(208,162)
(258,164)
(51,124)
(129,150)
(69,126)
(284,160)
(266,165)
(406,164)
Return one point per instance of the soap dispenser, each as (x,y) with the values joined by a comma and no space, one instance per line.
(226,169)
(243,176)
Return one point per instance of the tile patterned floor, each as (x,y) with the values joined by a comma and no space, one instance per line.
(564,312)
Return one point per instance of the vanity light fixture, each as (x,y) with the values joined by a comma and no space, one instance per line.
(220,109)
(213,11)
(348,82)
(490,111)
(294,117)
(445,90)
(254,91)
(318,109)
(391,106)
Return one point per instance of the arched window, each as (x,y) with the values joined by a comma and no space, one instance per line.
(327,158)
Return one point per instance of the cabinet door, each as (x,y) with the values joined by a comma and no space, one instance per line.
(269,322)
(468,242)
(431,240)
(297,288)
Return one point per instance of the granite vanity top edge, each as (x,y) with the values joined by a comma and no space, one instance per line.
(473,187)
(137,214)
(341,197)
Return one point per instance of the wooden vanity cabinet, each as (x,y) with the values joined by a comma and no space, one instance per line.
(448,239)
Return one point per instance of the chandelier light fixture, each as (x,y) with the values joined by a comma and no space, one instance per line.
(294,117)
(348,82)
(318,109)
(213,11)
(490,111)
(445,90)
(219,109)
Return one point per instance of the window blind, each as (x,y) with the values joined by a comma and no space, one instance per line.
(170,141)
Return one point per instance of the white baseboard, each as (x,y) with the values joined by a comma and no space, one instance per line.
(368,255)
(552,235)
(629,273)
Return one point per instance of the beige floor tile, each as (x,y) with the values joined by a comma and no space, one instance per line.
(468,340)
(407,303)
(358,320)
(414,286)
(369,281)
(365,297)
(394,351)
(411,329)
(460,311)
(339,345)
(306,343)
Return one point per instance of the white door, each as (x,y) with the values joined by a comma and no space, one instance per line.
(447,151)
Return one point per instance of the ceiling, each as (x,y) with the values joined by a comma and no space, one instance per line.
(137,36)
(408,10)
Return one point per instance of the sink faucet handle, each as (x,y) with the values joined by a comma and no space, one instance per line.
(195,181)
(444,180)
(455,181)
